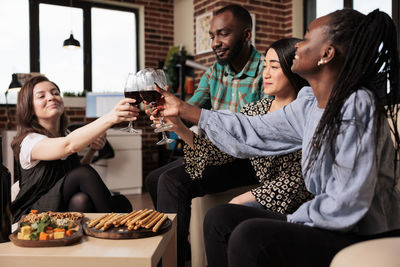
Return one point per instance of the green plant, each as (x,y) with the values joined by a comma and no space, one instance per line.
(73,94)
(173,58)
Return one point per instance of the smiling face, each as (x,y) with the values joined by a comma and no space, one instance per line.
(275,81)
(47,101)
(311,49)
(227,37)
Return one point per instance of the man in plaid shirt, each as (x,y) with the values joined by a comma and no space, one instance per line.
(227,85)
(230,83)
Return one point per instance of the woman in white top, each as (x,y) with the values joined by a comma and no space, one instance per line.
(51,175)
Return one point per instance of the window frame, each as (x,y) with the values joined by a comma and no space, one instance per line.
(310,5)
(87,33)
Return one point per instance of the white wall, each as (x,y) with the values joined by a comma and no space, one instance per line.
(183,24)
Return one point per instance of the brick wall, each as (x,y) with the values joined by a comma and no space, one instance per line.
(273,22)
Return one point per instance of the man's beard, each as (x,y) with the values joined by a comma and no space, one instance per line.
(237,47)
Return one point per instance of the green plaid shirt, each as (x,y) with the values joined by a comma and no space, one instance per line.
(222,88)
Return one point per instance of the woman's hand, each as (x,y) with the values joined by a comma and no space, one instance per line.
(175,121)
(98,143)
(123,112)
(243,198)
(174,106)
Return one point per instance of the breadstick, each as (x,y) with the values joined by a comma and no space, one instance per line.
(101,224)
(144,214)
(120,219)
(103,219)
(93,222)
(140,212)
(147,219)
(136,225)
(153,221)
(160,222)
(110,222)
(131,215)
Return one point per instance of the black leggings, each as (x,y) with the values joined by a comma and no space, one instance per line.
(237,235)
(173,189)
(85,191)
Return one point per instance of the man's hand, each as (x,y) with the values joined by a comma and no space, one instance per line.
(171,104)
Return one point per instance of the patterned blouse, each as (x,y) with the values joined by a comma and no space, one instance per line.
(281,188)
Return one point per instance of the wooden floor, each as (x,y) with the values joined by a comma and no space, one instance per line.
(141,201)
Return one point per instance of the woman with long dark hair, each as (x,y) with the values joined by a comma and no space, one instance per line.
(349,160)
(51,175)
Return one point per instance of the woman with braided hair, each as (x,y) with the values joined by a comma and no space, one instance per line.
(349,160)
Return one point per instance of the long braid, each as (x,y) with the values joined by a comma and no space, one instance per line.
(371,58)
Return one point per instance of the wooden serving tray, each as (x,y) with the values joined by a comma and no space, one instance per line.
(75,237)
(122,232)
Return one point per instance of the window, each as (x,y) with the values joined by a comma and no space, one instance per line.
(317,8)
(61,65)
(325,7)
(36,29)
(367,6)
(106,54)
(14,48)
(113,51)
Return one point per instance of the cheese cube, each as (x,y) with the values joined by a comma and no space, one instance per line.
(59,235)
(26,230)
(22,236)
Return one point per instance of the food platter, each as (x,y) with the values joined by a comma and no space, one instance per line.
(74,238)
(46,219)
(122,232)
(137,224)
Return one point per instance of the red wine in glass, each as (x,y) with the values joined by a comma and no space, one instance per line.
(151,96)
(131,90)
(135,95)
(151,79)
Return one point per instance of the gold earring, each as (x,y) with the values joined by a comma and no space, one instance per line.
(320,62)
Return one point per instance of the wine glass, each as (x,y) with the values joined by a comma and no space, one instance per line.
(160,80)
(131,90)
(149,94)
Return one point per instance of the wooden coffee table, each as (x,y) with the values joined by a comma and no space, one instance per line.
(96,252)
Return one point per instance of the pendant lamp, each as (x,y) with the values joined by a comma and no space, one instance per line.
(71,42)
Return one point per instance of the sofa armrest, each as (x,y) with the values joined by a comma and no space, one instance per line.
(200,206)
(378,252)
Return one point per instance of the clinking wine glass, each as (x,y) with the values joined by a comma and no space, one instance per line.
(131,90)
(160,80)
(150,95)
